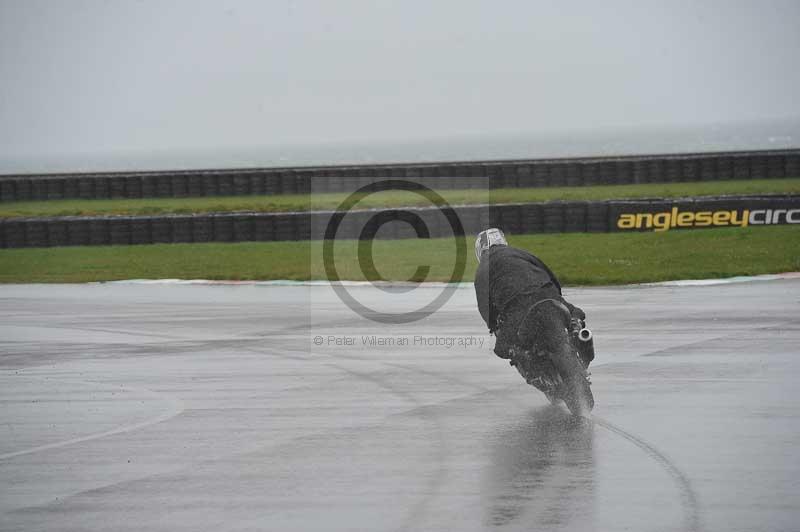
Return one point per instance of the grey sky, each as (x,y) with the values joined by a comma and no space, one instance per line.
(156,84)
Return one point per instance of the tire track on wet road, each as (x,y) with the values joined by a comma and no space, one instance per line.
(689,499)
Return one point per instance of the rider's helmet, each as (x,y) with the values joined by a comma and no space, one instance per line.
(486,239)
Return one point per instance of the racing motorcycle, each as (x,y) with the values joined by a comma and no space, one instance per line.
(557,363)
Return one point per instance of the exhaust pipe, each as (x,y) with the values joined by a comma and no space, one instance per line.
(586,345)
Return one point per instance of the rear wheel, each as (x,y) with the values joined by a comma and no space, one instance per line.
(578,396)
(546,327)
(553,398)
(575,389)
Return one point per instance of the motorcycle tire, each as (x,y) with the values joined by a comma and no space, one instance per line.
(575,389)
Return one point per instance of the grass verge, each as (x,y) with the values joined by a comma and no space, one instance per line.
(304,202)
(578,259)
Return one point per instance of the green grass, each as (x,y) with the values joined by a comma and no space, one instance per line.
(304,202)
(578,259)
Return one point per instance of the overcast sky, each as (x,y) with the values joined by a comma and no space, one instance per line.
(91,85)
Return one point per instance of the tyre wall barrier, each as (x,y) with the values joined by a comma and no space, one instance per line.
(397,223)
(508,174)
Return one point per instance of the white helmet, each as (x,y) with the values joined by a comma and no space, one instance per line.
(486,239)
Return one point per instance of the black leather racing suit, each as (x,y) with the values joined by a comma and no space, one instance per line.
(508,283)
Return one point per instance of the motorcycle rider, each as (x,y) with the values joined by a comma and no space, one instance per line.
(509,285)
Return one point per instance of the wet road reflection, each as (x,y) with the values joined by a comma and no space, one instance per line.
(695,427)
(542,473)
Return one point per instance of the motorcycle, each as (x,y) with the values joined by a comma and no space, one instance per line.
(558,362)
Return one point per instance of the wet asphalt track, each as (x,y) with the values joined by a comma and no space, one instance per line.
(163,407)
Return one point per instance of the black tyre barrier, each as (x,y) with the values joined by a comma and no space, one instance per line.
(500,174)
(161,231)
(180,186)
(575,217)
(240,185)
(525,177)
(607,172)
(286,227)
(102,189)
(120,231)
(140,231)
(38,189)
(318,223)
(532,218)
(244,229)
(195,187)
(15,234)
(21,189)
(182,229)
(272,186)
(776,167)
(55,188)
(8,188)
(202,229)
(725,166)
(223,228)
(792,165)
(691,170)
(116,187)
(387,224)
(404,226)
(589,178)
(708,169)
(432,219)
(758,167)
(36,233)
(57,234)
(265,228)
(149,186)
(85,188)
(255,184)
(597,217)
(99,233)
(672,171)
(304,183)
(350,227)
(553,217)
(558,177)
(79,233)
(210,186)
(523,218)
(473,220)
(741,167)
(133,187)
(303,229)
(510,217)
(225,185)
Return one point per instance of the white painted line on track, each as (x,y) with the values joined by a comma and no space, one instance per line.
(390,284)
(727,280)
(399,284)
